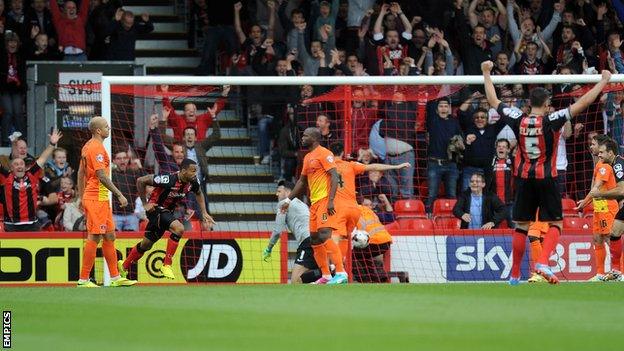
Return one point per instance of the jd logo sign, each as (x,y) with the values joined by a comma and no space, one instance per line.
(211,260)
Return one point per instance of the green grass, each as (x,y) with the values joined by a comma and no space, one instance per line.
(320,318)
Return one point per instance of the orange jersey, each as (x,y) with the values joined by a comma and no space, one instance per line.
(370,223)
(316,165)
(604,172)
(347,171)
(94,158)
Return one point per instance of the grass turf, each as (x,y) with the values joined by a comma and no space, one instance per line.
(353,317)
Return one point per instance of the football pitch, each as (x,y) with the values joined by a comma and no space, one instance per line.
(351,317)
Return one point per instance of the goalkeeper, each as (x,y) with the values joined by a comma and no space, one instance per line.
(296,220)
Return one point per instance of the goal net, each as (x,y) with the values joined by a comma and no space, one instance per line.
(247,136)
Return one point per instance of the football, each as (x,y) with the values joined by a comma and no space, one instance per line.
(359,239)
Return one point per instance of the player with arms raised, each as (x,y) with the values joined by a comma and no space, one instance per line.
(169,190)
(94,187)
(607,153)
(320,168)
(535,166)
(604,210)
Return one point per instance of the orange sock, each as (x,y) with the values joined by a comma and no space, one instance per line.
(336,256)
(536,249)
(110,254)
(343,244)
(320,256)
(88,258)
(601,254)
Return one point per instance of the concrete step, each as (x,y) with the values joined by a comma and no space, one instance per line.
(233,133)
(247,160)
(147,2)
(232,151)
(242,207)
(169,61)
(246,217)
(240,170)
(169,27)
(241,226)
(146,44)
(242,189)
(167,10)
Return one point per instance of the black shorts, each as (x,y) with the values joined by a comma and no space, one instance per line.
(620,215)
(158,223)
(305,255)
(532,194)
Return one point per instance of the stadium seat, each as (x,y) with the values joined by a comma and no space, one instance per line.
(393,226)
(447,223)
(568,206)
(415,223)
(142,226)
(1,226)
(576,223)
(409,209)
(588,211)
(443,207)
(196,226)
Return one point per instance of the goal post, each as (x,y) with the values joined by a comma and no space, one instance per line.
(424,249)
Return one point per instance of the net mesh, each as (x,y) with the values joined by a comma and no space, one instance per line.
(258,142)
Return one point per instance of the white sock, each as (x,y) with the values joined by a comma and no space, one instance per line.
(83,280)
(327,276)
(115,277)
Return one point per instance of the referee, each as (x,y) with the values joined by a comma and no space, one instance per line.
(296,220)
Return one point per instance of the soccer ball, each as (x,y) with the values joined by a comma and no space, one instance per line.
(359,239)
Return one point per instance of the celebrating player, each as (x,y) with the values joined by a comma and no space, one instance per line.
(94,187)
(604,210)
(607,153)
(169,190)
(297,221)
(320,167)
(349,213)
(535,171)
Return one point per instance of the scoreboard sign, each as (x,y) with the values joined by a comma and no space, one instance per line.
(77,86)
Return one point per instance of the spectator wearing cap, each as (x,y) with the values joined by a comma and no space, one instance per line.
(71,28)
(12,86)
(480,140)
(441,127)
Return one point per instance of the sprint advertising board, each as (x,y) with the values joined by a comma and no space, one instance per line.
(465,258)
(58,261)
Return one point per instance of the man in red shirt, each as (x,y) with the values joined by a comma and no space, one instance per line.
(70,26)
(201,123)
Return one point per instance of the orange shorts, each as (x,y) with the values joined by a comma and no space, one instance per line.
(99,217)
(603,222)
(348,218)
(538,229)
(319,218)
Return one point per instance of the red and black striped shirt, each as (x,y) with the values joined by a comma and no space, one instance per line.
(170,190)
(20,195)
(538,140)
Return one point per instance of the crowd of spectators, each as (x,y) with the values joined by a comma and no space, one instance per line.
(449,137)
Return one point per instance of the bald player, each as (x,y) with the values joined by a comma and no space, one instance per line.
(319,175)
(349,213)
(94,187)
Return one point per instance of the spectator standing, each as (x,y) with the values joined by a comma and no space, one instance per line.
(123,32)
(125,178)
(441,127)
(12,86)
(70,26)
(21,190)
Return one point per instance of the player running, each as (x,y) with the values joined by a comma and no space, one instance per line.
(604,210)
(297,221)
(607,153)
(94,187)
(535,171)
(169,190)
(346,201)
(320,176)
